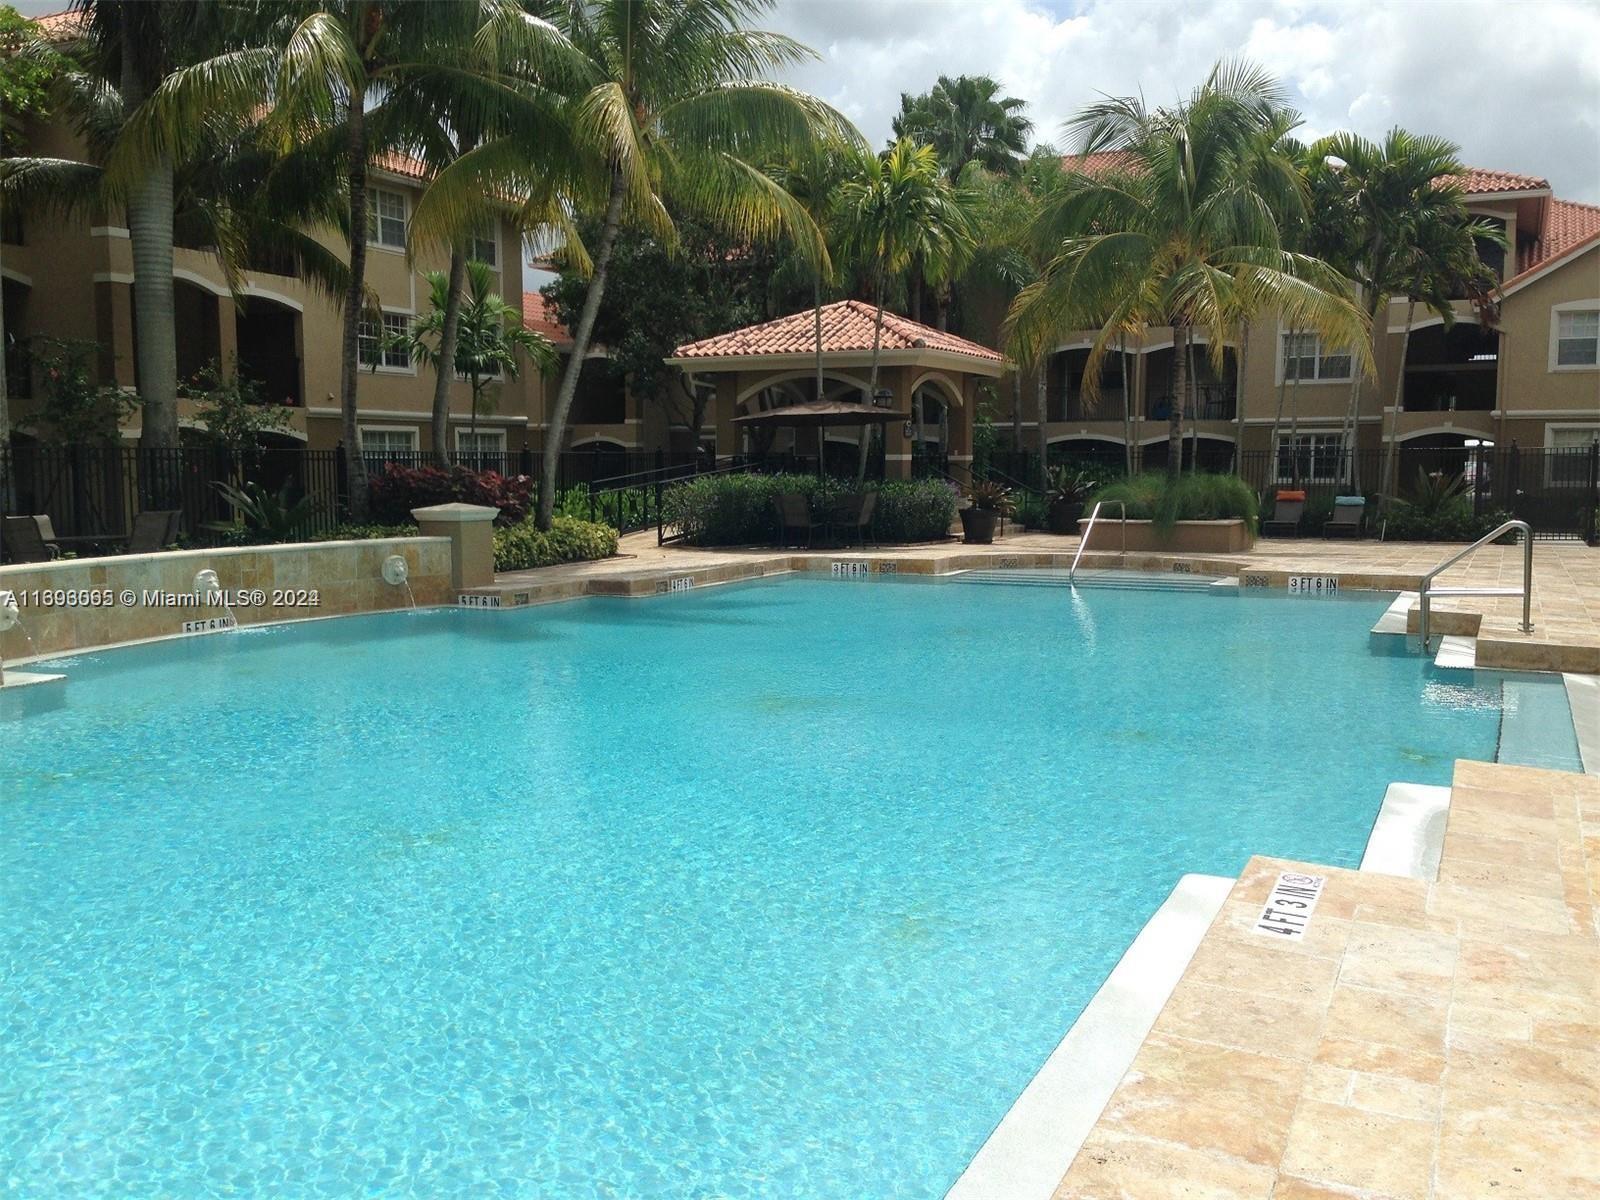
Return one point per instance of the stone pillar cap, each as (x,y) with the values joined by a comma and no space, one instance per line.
(463,514)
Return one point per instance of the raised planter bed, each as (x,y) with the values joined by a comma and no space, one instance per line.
(1199,537)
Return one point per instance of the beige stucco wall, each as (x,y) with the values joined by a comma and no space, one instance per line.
(1528,385)
(345,577)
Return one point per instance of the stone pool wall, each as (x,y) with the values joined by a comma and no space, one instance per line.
(73,604)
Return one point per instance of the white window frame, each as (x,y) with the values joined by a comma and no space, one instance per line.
(1321,356)
(498,436)
(384,366)
(1557,311)
(375,219)
(1550,431)
(410,432)
(1327,435)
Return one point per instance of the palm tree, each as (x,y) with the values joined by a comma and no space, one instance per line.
(1387,192)
(1442,262)
(488,333)
(1180,234)
(966,120)
(672,113)
(898,210)
(355,73)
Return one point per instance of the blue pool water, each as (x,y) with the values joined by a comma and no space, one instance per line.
(782,890)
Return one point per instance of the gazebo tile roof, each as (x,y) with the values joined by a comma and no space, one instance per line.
(847,327)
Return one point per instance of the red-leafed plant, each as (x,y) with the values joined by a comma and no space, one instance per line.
(396,490)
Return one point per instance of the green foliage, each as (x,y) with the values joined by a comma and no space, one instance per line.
(738,510)
(76,410)
(625,508)
(1438,510)
(1033,510)
(1434,493)
(1068,485)
(987,495)
(269,516)
(233,409)
(1156,496)
(364,532)
(26,69)
(524,545)
(965,120)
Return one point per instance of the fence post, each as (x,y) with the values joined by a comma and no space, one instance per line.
(1592,519)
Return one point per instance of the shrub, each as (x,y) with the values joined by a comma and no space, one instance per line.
(364,533)
(1155,496)
(522,546)
(1407,521)
(396,490)
(624,508)
(738,510)
(1033,510)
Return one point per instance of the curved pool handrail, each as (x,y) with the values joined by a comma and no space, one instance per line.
(1083,542)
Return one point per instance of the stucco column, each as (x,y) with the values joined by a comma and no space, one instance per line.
(722,414)
(470,528)
(961,415)
(896,446)
(227,336)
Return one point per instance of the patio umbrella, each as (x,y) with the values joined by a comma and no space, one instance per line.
(823,414)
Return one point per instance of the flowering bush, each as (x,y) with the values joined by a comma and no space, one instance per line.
(396,490)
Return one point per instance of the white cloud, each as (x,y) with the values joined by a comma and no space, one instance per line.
(1516,85)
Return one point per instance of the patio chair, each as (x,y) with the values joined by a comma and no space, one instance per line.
(1347,514)
(794,513)
(25,541)
(154,530)
(1288,510)
(854,513)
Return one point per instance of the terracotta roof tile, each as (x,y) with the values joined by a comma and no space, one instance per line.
(60,26)
(1098,162)
(538,316)
(1568,226)
(1478,181)
(846,328)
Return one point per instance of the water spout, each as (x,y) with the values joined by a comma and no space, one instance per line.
(10,618)
(397,574)
(208,585)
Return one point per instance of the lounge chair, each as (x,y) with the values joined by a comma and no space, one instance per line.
(1287,511)
(1346,518)
(854,513)
(794,513)
(25,541)
(154,530)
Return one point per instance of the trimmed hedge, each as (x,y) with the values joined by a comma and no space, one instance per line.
(1155,496)
(396,490)
(1450,522)
(523,545)
(738,510)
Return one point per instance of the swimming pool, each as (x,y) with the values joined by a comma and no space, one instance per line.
(783,889)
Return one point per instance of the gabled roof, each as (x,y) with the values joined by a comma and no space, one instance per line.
(847,328)
(1569,228)
(1480,181)
(1099,162)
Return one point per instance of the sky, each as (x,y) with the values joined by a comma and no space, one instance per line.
(1516,83)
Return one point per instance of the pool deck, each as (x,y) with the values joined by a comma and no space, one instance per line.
(1425,1039)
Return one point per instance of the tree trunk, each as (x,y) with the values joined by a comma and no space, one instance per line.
(1294,430)
(354,304)
(1277,418)
(555,428)
(872,385)
(1238,401)
(1352,422)
(1127,406)
(1180,384)
(6,501)
(447,361)
(1016,410)
(1191,402)
(1386,486)
(1041,404)
(914,292)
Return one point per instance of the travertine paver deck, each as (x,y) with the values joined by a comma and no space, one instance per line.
(1424,1040)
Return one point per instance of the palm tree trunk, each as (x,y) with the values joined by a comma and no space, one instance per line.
(150,208)
(872,384)
(354,304)
(1180,384)
(1352,422)
(1294,430)
(816,321)
(1277,417)
(447,362)
(1127,406)
(1238,400)
(6,500)
(914,292)
(1386,486)
(555,428)
(1041,406)
(1016,409)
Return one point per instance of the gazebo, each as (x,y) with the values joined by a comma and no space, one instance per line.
(928,378)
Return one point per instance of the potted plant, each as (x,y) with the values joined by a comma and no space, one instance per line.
(987,502)
(1067,491)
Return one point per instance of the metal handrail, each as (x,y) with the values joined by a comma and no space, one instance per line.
(1083,542)
(1527,576)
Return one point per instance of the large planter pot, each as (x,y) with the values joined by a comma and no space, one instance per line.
(978,525)
(1185,537)
(1063,516)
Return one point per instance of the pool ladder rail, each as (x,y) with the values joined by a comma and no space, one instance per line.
(1428,590)
(1088,531)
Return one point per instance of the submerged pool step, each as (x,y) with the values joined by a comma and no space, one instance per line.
(1136,581)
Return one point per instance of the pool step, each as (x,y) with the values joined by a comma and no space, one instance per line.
(1456,651)
(1134,581)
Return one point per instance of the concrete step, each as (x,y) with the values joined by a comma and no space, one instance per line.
(1457,651)
(1408,836)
